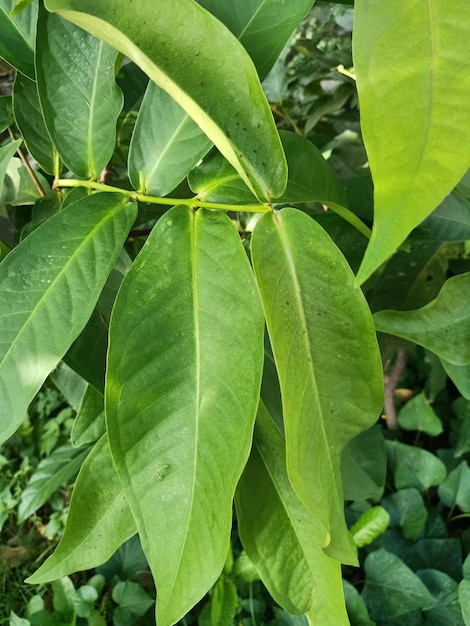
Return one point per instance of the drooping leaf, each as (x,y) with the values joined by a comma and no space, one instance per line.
(166,144)
(370,525)
(89,425)
(80,101)
(179,46)
(413,119)
(49,285)
(262,26)
(391,588)
(455,490)
(364,466)
(414,467)
(99,520)
(18,36)
(6,112)
(442,326)
(329,370)
(30,121)
(417,414)
(280,535)
(6,154)
(51,473)
(184,371)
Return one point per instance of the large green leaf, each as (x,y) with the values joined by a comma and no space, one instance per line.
(190,54)
(414,112)
(49,285)
(30,121)
(326,355)
(182,388)
(262,26)
(99,520)
(282,537)
(18,33)
(80,101)
(165,145)
(442,326)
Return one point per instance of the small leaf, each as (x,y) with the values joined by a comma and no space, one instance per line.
(6,113)
(408,511)
(49,286)
(331,391)
(370,525)
(363,472)
(18,35)
(63,595)
(442,326)
(6,154)
(99,520)
(224,602)
(84,600)
(80,101)
(455,489)
(89,424)
(51,473)
(417,414)
(131,596)
(414,467)
(178,45)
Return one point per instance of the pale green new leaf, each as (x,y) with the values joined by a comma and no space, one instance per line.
(442,326)
(166,144)
(282,537)
(262,26)
(371,524)
(190,54)
(182,388)
(6,154)
(49,285)
(411,62)
(99,520)
(80,100)
(18,33)
(327,358)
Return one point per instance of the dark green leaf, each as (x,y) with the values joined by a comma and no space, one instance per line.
(464,599)
(184,372)
(6,112)
(331,391)
(445,590)
(455,490)
(364,466)
(357,611)
(407,510)
(18,35)
(460,376)
(53,472)
(80,101)
(99,520)
(178,45)
(89,424)
(131,596)
(417,414)
(414,467)
(451,220)
(49,286)
(442,326)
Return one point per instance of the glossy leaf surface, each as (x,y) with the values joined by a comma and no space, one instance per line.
(99,520)
(49,286)
(30,121)
(442,326)
(281,536)
(262,26)
(166,144)
(18,35)
(414,118)
(184,371)
(329,370)
(183,48)
(80,101)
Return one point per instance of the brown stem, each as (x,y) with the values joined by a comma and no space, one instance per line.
(390,384)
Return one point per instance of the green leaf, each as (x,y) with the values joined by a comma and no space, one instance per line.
(131,596)
(364,466)
(166,144)
(451,220)
(19,188)
(370,525)
(413,119)
(99,520)
(414,467)
(178,46)
(224,603)
(356,607)
(407,510)
(262,26)
(30,121)
(18,35)
(52,472)
(455,490)
(391,588)
(464,599)
(417,414)
(442,326)
(6,112)
(62,596)
(80,101)
(280,535)
(6,154)
(445,590)
(49,286)
(326,355)
(17,621)
(184,372)
(459,375)
(89,424)
(84,600)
